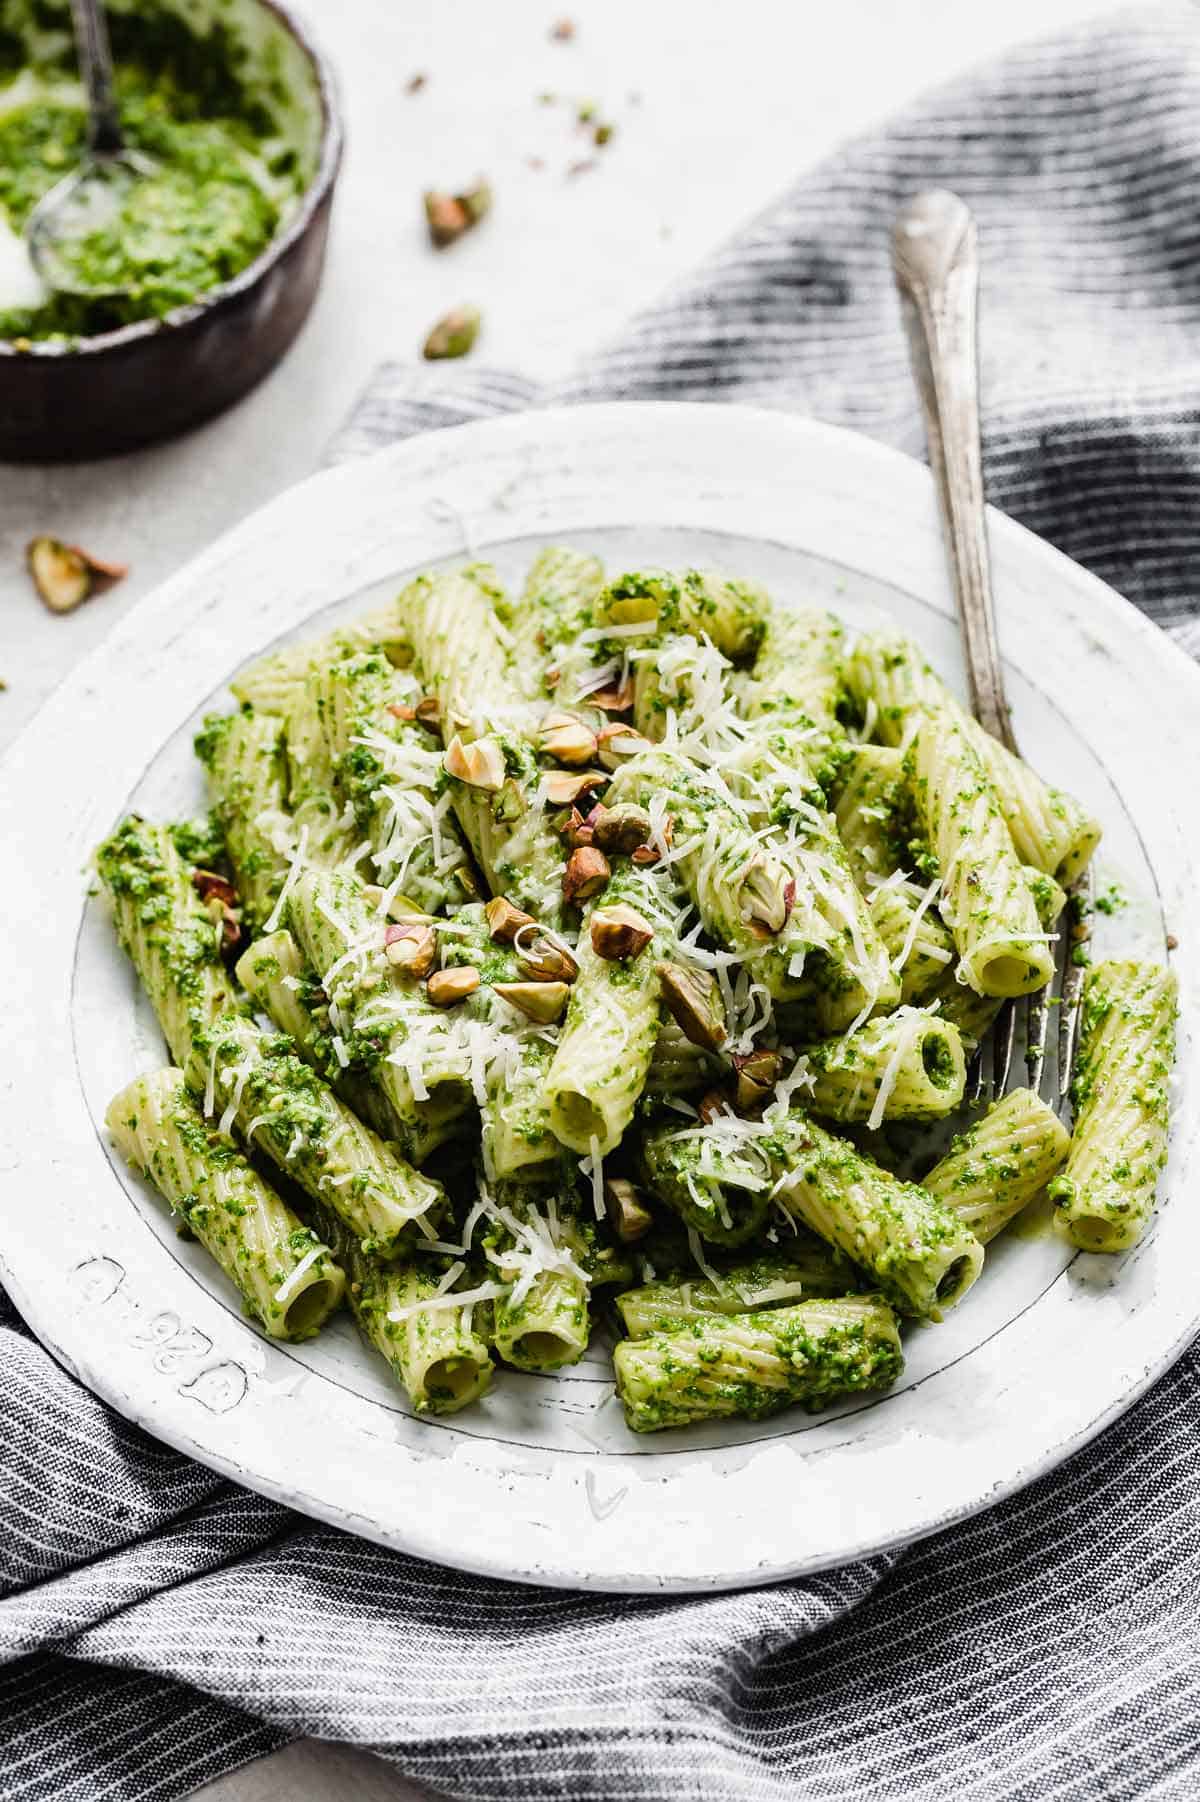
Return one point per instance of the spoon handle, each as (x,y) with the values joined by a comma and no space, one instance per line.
(935,258)
(105,137)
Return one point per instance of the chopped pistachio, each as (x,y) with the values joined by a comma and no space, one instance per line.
(446,987)
(453,335)
(544,1002)
(619,933)
(616,744)
(546,959)
(450,215)
(65,575)
(586,874)
(567,738)
(504,921)
(562,788)
(757,1074)
(411,947)
(693,1000)
(603,133)
(622,828)
(479,764)
(628,1216)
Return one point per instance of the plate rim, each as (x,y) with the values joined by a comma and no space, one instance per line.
(40,1310)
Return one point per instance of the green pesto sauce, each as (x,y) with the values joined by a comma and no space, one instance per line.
(211,207)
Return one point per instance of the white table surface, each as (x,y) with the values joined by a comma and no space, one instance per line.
(715,109)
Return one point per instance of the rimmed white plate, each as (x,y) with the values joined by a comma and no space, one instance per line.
(542,1481)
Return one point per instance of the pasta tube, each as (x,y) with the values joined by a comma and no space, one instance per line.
(283,1108)
(495,777)
(388,768)
(798,668)
(766,774)
(429,1334)
(775,1279)
(903,1066)
(287,1278)
(554,609)
(986,899)
(270,684)
(1050,829)
(243,756)
(542,1322)
(173,941)
(997,1168)
(1105,1196)
(871,804)
(752,1365)
(606,1045)
(274,974)
(700,1176)
(422,1054)
(732,614)
(912,1247)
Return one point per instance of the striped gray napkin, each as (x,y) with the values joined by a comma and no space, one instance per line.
(159,1626)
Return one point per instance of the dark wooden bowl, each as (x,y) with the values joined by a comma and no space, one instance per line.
(153,379)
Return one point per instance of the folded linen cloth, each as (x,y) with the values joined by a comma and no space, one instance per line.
(159,1626)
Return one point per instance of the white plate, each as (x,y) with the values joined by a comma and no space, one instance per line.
(542,1481)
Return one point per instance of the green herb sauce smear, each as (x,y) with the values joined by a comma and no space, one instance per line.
(222,176)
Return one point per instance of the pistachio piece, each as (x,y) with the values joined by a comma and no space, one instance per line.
(510,803)
(615,698)
(566,738)
(466,881)
(208,883)
(428,711)
(578,829)
(453,335)
(562,788)
(711,1106)
(445,987)
(586,874)
(544,1002)
(64,575)
(619,933)
(479,764)
(628,1216)
(411,947)
(450,215)
(645,854)
(616,744)
(693,1000)
(399,906)
(399,711)
(545,959)
(621,828)
(757,1074)
(766,897)
(222,915)
(504,921)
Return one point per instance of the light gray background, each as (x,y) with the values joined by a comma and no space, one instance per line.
(715,110)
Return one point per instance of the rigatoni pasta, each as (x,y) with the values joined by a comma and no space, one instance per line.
(612,948)
(1105,1196)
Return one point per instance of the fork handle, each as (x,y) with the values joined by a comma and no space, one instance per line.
(105,137)
(935,258)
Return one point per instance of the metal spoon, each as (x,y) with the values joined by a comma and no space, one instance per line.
(92,195)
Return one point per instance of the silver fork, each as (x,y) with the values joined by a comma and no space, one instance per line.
(935,259)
